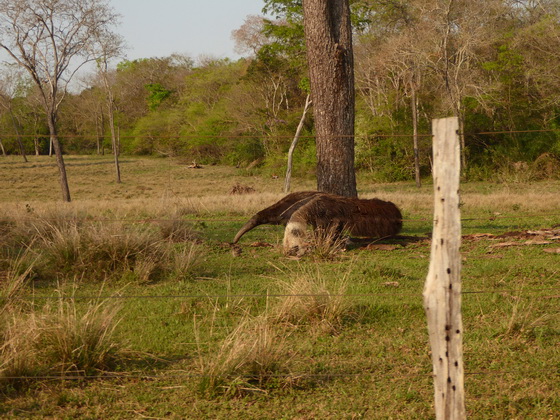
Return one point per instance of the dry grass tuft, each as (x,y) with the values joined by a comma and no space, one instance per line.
(59,339)
(310,301)
(18,330)
(251,357)
(176,230)
(255,355)
(12,284)
(19,353)
(63,337)
(184,261)
(326,243)
(80,340)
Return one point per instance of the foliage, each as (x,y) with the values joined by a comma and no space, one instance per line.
(157,94)
(499,73)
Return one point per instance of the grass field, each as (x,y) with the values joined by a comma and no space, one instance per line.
(129,302)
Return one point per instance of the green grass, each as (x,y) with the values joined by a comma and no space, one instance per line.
(370,359)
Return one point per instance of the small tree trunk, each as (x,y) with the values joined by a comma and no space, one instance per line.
(461,129)
(2,147)
(100,128)
(294,144)
(36,145)
(414,106)
(115,143)
(97,139)
(328,37)
(59,158)
(21,148)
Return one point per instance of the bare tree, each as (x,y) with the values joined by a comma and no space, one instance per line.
(328,36)
(394,65)
(52,40)
(110,47)
(462,34)
(249,38)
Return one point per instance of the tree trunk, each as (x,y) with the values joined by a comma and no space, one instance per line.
(36,145)
(2,147)
(59,159)
(328,37)
(115,142)
(461,117)
(98,131)
(414,105)
(294,144)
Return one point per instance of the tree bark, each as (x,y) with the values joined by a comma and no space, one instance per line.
(328,37)
(115,141)
(116,151)
(59,158)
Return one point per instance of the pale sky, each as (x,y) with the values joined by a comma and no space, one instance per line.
(159,28)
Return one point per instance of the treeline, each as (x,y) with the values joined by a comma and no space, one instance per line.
(494,63)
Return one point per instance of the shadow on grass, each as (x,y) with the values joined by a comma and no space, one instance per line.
(386,243)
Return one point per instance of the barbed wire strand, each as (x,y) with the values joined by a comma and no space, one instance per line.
(265,135)
(549,370)
(520,291)
(238,220)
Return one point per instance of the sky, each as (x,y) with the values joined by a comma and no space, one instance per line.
(159,28)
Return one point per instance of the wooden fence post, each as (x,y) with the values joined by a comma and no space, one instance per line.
(442,291)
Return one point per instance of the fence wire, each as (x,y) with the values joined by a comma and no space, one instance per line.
(324,376)
(522,292)
(278,136)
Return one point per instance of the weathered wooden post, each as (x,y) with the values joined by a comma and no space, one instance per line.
(442,291)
